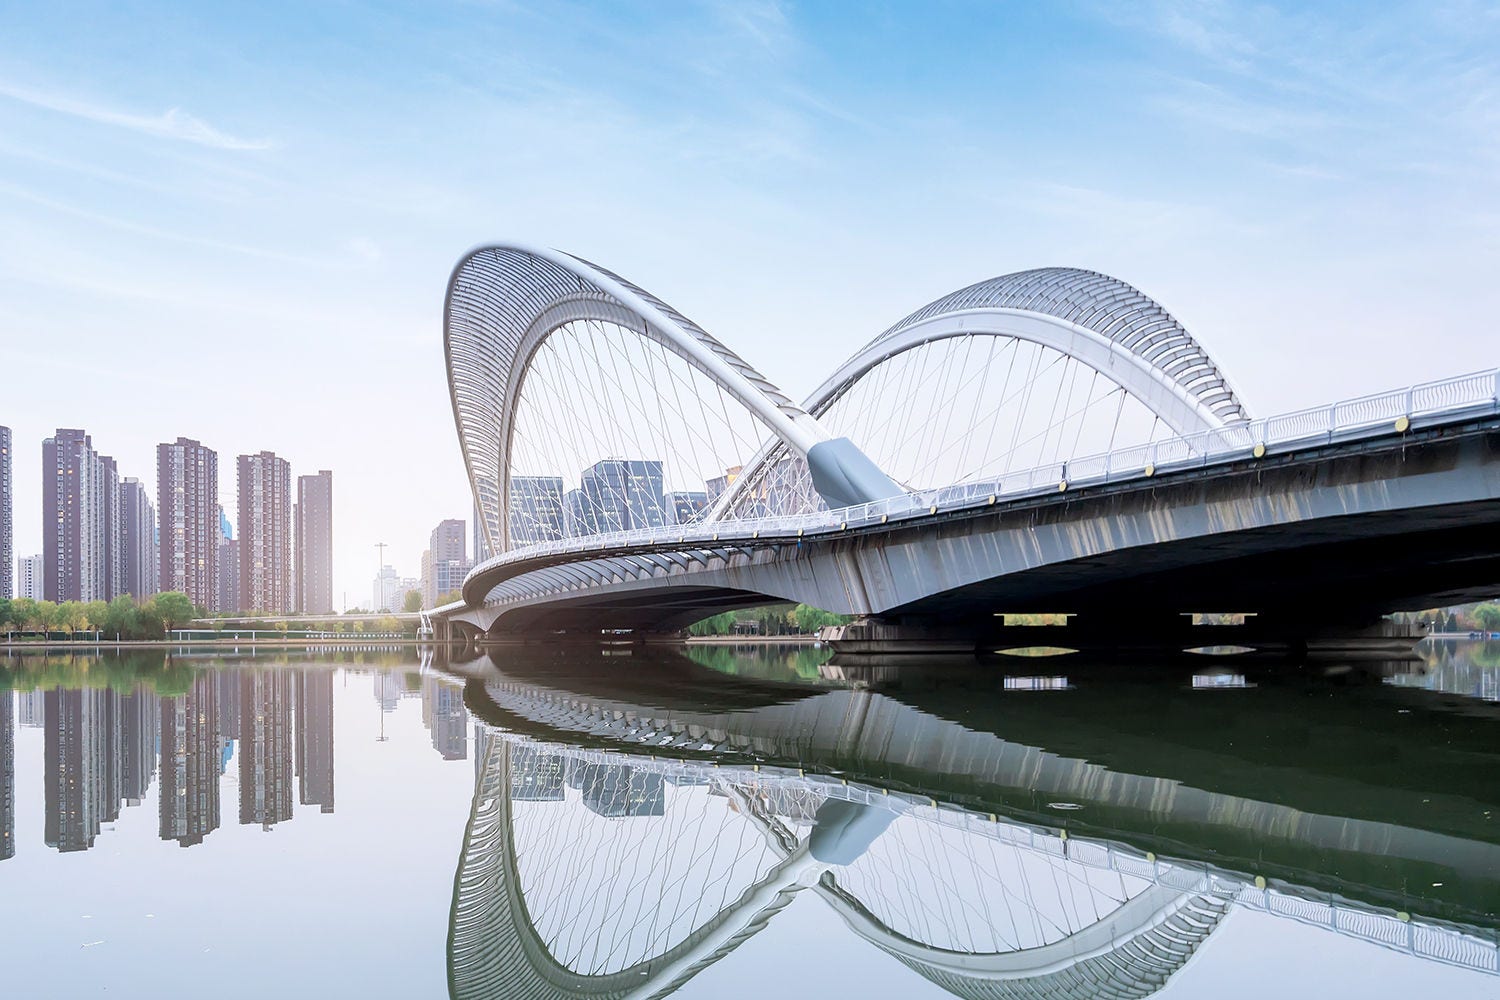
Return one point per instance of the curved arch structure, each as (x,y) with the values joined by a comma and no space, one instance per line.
(1108,325)
(504,300)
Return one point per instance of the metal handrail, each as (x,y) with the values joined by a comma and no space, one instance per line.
(1371,416)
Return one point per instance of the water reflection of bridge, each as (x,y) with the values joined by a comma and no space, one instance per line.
(607,861)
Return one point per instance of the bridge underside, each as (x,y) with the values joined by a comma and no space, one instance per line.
(1321,536)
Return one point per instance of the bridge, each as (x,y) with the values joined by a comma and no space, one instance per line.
(627,833)
(1047,441)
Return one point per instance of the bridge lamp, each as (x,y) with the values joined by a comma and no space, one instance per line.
(1403,424)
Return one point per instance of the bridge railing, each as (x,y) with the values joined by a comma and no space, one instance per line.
(1370,416)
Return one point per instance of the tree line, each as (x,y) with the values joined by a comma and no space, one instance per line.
(769,619)
(124,616)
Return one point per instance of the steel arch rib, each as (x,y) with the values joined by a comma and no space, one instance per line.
(504,299)
(1104,318)
(1107,324)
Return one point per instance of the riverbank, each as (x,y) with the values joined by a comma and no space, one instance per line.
(752,640)
(341,642)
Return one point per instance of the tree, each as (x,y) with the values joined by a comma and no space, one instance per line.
(173,607)
(43,616)
(122,617)
(1488,617)
(71,617)
(412,601)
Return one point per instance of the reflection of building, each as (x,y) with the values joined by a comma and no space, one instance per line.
(686,507)
(187,511)
(7,776)
(535,776)
(536,509)
(446,719)
(313,544)
(76,766)
(137,746)
(621,790)
(33,711)
(315,738)
(265,748)
(190,762)
(265,533)
(229,705)
(140,564)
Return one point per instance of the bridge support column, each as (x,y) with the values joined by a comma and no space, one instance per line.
(880,637)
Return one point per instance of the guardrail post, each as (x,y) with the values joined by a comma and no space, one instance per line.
(1495,395)
(1332,420)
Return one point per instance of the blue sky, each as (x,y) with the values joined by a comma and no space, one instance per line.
(235,222)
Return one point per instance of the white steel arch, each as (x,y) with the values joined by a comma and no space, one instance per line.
(1102,322)
(504,299)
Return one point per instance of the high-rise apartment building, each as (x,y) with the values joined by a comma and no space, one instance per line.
(29,577)
(313,544)
(112,583)
(187,506)
(7,518)
(445,562)
(79,520)
(140,568)
(229,566)
(265,533)
(447,541)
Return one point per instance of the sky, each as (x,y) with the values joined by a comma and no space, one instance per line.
(236,222)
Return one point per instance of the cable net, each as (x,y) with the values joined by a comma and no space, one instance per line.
(614,432)
(971,409)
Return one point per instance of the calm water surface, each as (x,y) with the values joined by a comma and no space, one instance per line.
(723,822)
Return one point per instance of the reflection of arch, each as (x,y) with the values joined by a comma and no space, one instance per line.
(1131,953)
(505,300)
(1100,321)
(496,949)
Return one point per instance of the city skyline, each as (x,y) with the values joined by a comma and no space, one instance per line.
(207,204)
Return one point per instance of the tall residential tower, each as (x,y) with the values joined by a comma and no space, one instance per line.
(187,504)
(314,543)
(7,519)
(80,520)
(265,530)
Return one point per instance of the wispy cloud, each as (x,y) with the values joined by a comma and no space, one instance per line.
(174,123)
